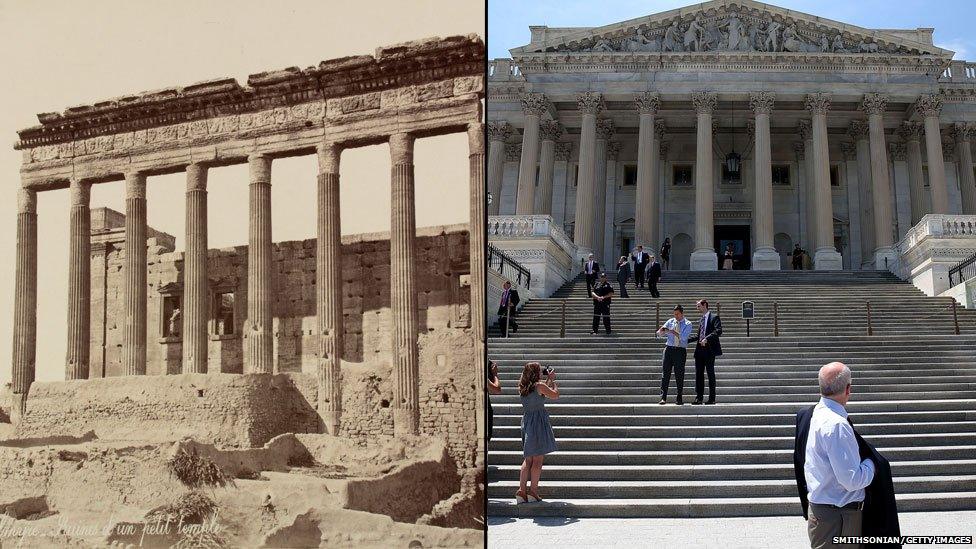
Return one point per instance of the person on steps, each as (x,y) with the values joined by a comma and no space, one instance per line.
(708,345)
(508,304)
(494,388)
(591,269)
(666,253)
(623,275)
(537,436)
(640,259)
(653,277)
(677,330)
(601,295)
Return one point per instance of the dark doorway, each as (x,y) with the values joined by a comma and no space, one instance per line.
(738,237)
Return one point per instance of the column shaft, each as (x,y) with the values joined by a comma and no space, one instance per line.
(916,178)
(863,152)
(880,182)
(967,180)
(810,184)
(826,257)
(525,199)
(937,177)
(599,196)
(476,232)
(704,258)
(79,283)
(403,297)
(196,291)
(645,213)
(328,289)
(134,277)
(25,303)
(497,134)
(259,353)
(765,256)
(586,172)
(547,161)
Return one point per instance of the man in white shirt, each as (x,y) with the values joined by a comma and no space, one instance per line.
(677,330)
(835,474)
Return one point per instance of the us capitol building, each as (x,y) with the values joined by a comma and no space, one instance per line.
(730,123)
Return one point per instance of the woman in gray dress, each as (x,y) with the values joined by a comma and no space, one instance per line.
(537,436)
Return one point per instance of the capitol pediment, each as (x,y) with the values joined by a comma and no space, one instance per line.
(733,26)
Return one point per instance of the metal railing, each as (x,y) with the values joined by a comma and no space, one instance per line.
(508,267)
(966,269)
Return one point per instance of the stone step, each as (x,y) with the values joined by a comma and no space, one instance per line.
(751,430)
(769,419)
(723,408)
(799,398)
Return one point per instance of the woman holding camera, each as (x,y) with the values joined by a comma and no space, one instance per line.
(537,436)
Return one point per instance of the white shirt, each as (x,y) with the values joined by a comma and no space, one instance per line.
(833,469)
(589,267)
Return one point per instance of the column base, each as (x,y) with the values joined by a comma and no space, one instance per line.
(18,407)
(828,259)
(330,419)
(766,259)
(405,422)
(704,260)
(884,258)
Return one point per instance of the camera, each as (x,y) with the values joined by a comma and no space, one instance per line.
(546,370)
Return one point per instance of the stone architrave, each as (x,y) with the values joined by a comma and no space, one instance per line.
(646,208)
(534,105)
(704,258)
(963,133)
(930,108)
(826,257)
(765,257)
(25,304)
(874,105)
(79,282)
(196,291)
(498,134)
(259,356)
(550,132)
(134,272)
(589,105)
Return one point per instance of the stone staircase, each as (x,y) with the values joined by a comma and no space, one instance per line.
(623,455)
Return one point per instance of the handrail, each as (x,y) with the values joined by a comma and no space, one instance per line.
(520,273)
(966,269)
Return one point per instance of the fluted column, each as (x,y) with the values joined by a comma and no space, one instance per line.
(551,131)
(476,252)
(25,304)
(589,105)
(79,282)
(826,256)
(799,154)
(645,210)
(328,288)
(930,107)
(403,296)
(765,257)
(874,105)
(704,257)
(196,291)
(604,132)
(859,131)
(534,105)
(259,352)
(911,132)
(134,277)
(967,186)
(805,130)
(498,133)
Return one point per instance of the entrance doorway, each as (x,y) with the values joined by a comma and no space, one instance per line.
(739,238)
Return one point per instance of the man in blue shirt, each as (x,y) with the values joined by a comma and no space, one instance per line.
(676,330)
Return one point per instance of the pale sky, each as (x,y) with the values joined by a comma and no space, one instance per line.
(62,53)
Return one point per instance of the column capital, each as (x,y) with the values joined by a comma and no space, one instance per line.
(196,177)
(513,152)
(329,154)
(799,148)
(401,148)
(613,150)
(665,147)
(898,151)
(911,131)
(858,130)
(259,168)
(534,104)
(135,185)
(563,150)
(817,103)
(80,192)
(647,103)
(805,129)
(874,103)
(762,102)
(476,138)
(948,149)
(604,128)
(929,104)
(26,201)
(550,130)
(659,128)
(751,128)
(704,101)
(590,103)
(499,131)
(849,149)
(963,131)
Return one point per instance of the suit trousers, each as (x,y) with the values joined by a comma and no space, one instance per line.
(639,276)
(653,287)
(704,362)
(601,310)
(590,283)
(827,521)
(674,359)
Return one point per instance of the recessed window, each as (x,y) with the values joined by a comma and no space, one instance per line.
(781,175)
(223,313)
(630,175)
(681,175)
(172,316)
(834,176)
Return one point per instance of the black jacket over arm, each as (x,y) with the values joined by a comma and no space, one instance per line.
(880,516)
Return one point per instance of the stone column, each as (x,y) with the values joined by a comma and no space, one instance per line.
(498,133)
(328,288)
(765,257)
(589,105)
(911,132)
(25,304)
(826,257)
(662,179)
(805,130)
(476,252)
(604,132)
(79,282)
(134,277)
(403,295)
(930,107)
(560,191)
(259,351)
(874,105)
(551,131)
(967,185)
(534,105)
(855,221)
(645,209)
(859,132)
(704,257)
(801,195)
(609,257)
(196,290)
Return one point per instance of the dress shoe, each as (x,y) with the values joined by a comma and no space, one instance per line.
(710,401)
(697,402)
(663,401)
(679,402)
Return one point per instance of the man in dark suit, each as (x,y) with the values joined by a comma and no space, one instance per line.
(707,346)
(640,259)
(797,258)
(509,297)
(602,294)
(862,503)
(591,269)
(653,276)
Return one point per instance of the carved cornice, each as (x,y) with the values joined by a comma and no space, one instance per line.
(911,131)
(762,102)
(499,131)
(647,103)
(513,152)
(704,101)
(858,130)
(534,104)
(613,150)
(817,103)
(604,128)
(590,103)
(874,103)
(805,129)
(550,130)
(929,105)
(563,151)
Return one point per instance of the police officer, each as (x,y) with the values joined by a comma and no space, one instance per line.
(602,292)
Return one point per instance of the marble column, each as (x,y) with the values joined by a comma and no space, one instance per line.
(550,132)
(196,290)
(134,277)
(857,254)
(79,282)
(967,186)
(561,187)
(930,107)
(826,258)
(604,132)
(25,304)
(874,105)
(403,295)
(610,257)
(765,256)
(911,133)
(645,209)
(859,131)
(799,153)
(704,257)
(805,130)
(476,251)
(328,288)
(534,105)
(498,133)
(589,104)
(258,336)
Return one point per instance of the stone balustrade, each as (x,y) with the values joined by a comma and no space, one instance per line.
(932,247)
(539,245)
